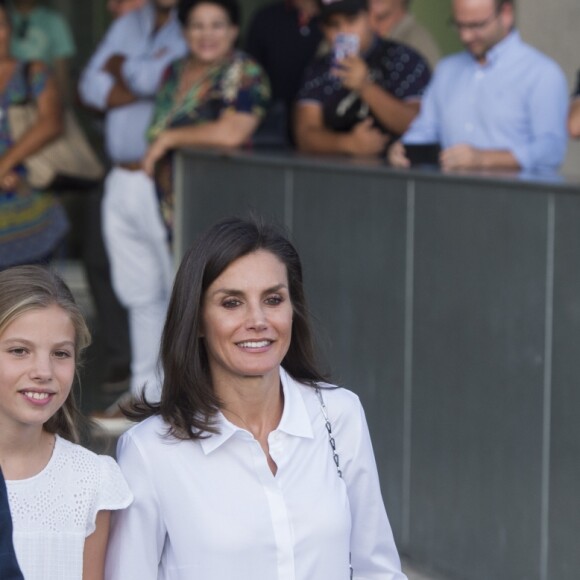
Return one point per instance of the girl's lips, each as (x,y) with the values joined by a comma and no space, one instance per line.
(38,398)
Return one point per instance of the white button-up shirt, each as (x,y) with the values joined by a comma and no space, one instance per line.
(212,509)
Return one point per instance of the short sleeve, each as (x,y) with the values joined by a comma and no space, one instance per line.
(112,492)
(253,88)
(62,42)
(315,80)
(38,77)
(406,73)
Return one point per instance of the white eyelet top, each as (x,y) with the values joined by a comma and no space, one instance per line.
(54,511)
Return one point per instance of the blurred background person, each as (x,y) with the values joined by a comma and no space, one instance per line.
(121,7)
(32,223)
(357,104)
(392,19)
(122,79)
(499,104)
(574,112)
(41,33)
(214,97)
(284,38)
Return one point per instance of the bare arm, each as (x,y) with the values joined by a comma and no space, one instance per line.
(62,75)
(120,93)
(393,114)
(313,137)
(574,118)
(46,128)
(96,547)
(232,129)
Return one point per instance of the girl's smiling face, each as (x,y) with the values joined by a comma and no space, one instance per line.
(37,366)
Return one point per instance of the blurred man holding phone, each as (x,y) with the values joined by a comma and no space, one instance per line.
(362,94)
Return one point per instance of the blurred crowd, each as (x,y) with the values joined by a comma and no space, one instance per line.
(346,77)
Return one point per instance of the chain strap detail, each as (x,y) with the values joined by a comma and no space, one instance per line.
(335,456)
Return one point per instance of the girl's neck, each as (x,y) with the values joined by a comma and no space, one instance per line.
(25,454)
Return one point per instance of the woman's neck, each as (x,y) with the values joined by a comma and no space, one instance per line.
(254,404)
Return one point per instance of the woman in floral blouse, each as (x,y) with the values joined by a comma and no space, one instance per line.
(213,97)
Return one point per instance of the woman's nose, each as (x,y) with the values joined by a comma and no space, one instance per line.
(256,317)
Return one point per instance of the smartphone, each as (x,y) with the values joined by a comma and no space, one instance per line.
(345,45)
(423,154)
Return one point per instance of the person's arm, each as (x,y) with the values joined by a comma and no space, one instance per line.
(61,68)
(137,535)
(96,548)
(465,156)
(394,114)
(63,49)
(98,88)
(231,129)
(547,103)
(142,74)
(574,118)
(313,137)
(47,127)
(373,551)
(547,106)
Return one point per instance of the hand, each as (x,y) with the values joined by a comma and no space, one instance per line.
(366,139)
(461,157)
(353,73)
(156,151)
(9,181)
(114,65)
(396,155)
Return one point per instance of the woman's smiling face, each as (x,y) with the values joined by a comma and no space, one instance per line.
(247,318)
(209,33)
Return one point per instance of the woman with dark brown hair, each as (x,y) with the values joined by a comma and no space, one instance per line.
(251,466)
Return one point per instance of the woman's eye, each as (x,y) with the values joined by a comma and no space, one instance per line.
(274,300)
(231,303)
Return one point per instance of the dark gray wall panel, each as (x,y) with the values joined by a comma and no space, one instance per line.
(564,560)
(480,277)
(478,482)
(350,230)
(215,188)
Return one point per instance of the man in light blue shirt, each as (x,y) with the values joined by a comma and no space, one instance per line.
(499,104)
(121,79)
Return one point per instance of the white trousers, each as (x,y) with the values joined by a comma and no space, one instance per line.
(141,269)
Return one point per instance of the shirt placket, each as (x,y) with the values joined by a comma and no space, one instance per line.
(281,523)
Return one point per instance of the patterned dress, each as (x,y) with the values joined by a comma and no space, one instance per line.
(32,223)
(238,83)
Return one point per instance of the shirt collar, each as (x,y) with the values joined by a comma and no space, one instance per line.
(502,47)
(295,419)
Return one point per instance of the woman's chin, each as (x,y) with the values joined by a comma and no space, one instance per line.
(209,58)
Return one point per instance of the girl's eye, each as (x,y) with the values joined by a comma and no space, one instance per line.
(231,303)
(62,354)
(18,351)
